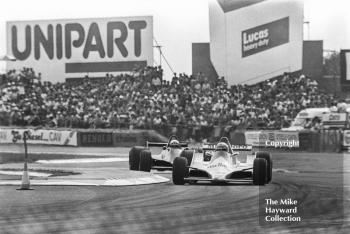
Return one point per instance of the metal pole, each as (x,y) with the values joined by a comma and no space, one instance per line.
(159,47)
(25,135)
(25,184)
(308,29)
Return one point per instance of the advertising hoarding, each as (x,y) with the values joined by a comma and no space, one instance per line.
(41,136)
(60,49)
(253,42)
(265,37)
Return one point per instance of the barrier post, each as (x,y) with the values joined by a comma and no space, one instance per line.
(25,184)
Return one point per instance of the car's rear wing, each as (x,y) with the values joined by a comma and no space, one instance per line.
(242,147)
(162,144)
(209,146)
(212,146)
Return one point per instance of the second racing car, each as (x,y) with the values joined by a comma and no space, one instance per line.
(142,159)
(224,163)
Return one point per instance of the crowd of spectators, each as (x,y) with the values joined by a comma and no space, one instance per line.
(142,99)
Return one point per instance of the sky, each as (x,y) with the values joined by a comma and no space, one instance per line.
(177,23)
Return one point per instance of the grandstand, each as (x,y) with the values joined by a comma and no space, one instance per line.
(194,107)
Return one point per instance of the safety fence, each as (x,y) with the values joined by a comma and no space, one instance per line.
(310,141)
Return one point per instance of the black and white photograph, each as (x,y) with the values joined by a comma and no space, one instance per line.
(175,116)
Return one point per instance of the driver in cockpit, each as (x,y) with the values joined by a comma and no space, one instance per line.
(175,144)
(221,150)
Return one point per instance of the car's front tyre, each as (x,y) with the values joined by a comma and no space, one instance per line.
(145,161)
(180,170)
(268,158)
(134,157)
(188,154)
(259,171)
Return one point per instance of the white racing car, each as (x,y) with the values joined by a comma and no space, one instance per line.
(224,163)
(141,158)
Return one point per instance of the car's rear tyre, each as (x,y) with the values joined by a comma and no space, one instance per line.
(259,171)
(145,160)
(268,158)
(188,154)
(134,157)
(180,170)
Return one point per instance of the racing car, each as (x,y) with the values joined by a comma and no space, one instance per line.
(141,158)
(224,163)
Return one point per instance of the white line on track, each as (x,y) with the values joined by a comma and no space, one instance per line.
(82,160)
(281,170)
(61,153)
(151,179)
(19,173)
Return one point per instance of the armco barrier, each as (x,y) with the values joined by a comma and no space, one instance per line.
(331,140)
(309,141)
(80,137)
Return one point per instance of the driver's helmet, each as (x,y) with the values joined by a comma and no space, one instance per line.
(221,146)
(174,144)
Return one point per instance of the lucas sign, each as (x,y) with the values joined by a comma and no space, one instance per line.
(265,36)
(74,48)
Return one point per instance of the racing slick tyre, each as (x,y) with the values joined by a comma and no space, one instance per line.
(134,157)
(259,171)
(268,158)
(180,170)
(188,154)
(145,160)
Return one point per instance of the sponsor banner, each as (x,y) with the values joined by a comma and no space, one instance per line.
(265,37)
(42,136)
(346,138)
(345,70)
(335,120)
(334,117)
(96,138)
(252,138)
(286,136)
(60,49)
(270,138)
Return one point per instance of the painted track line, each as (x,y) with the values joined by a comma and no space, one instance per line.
(83,160)
(145,180)
(59,152)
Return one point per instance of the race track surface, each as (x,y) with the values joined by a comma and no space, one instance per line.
(319,182)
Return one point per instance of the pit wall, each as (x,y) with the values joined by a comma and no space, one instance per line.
(309,141)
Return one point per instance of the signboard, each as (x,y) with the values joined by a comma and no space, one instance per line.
(345,70)
(335,120)
(252,138)
(96,138)
(42,136)
(265,37)
(74,48)
(277,139)
(249,40)
(346,138)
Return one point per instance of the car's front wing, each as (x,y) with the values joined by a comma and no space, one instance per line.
(240,180)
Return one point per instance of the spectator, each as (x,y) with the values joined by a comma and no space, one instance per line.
(144,100)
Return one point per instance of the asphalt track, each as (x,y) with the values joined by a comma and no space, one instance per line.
(319,182)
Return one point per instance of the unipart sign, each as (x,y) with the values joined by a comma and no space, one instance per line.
(81,45)
(265,37)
